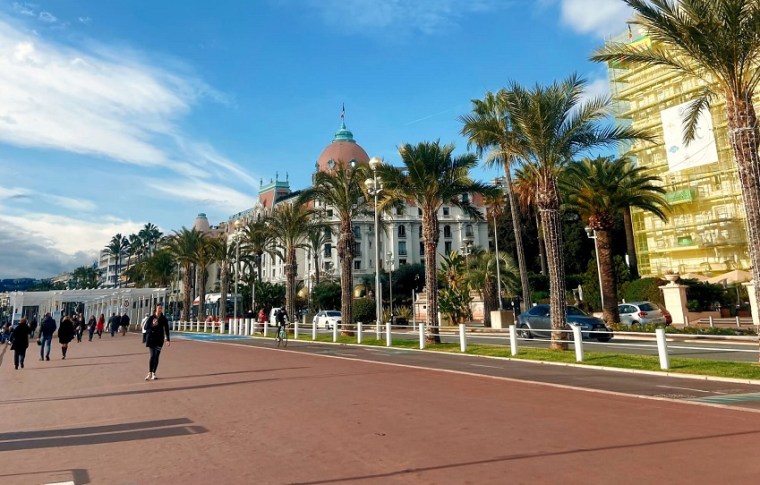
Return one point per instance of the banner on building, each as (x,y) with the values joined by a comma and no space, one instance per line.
(701,151)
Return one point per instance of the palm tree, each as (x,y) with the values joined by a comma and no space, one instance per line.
(343,190)
(488,128)
(205,254)
(454,296)
(552,126)
(289,225)
(717,42)
(525,186)
(182,245)
(150,236)
(431,176)
(318,236)
(482,276)
(257,241)
(160,268)
(598,189)
(116,248)
(224,255)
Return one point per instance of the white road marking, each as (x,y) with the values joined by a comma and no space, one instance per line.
(689,389)
(489,366)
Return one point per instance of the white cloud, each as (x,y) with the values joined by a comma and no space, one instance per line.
(48,17)
(41,245)
(24,9)
(377,17)
(599,17)
(205,194)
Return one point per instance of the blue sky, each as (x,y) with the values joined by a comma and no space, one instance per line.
(115,114)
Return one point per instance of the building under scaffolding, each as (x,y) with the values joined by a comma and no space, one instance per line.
(706,230)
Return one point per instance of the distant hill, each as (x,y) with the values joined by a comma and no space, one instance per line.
(17,284)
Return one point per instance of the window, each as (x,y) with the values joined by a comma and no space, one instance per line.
(420,231)
(445,212)
(399,211)
(402,248)
(465,197)
(402,231)
(357,264)
(328,250)
(422,249)
(357,232)
(447,247)
(447,231)
(357,249)
(328,234)
(419,212)
(468,230)
(329,213)
(401,262)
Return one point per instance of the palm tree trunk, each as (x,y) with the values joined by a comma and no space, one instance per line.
(224,288)
(346,257)
(609,282)
(202,293)
(187,301)
(430,245)
(290,282)
(316,267)
(630,244)
(518,237)
(549,202)
(743,137)
(541,245)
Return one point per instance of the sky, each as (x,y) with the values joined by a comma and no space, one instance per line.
(116,114)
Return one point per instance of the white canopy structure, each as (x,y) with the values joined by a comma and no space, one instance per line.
(135,302)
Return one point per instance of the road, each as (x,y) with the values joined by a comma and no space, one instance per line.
(237,410)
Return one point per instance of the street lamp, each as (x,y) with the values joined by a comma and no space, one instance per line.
(498,183)
(237,270)
(389,262)
(591,233)
(466,250)
(375,186)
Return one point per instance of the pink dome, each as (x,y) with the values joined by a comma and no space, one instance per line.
(342,150)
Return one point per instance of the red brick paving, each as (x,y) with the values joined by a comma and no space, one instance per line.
(227,414)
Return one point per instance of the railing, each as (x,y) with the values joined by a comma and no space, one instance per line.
(511,337)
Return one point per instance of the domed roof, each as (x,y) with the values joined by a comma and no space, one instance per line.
(343,149)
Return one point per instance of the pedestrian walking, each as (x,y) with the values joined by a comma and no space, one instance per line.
(33,326)
(124,324)
(113,324)
(101,325)
(157,327)
(91,324)
(20,342)
(66,333)
(47,329)
(79,325)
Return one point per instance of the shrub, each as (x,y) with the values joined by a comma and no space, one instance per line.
(364,310)
(693,306)
(645,289)
(705,294)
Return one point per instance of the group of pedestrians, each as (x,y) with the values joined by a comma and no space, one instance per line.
(155,335)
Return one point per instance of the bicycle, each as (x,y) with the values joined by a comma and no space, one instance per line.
(282,335)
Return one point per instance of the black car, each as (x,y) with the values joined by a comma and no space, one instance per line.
(536,323)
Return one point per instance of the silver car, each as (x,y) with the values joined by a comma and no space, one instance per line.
(641,312)
(536,322)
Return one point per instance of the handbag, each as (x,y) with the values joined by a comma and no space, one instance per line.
(39,341)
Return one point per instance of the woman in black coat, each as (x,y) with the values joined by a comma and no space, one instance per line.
(156,328)
(20,342)
(66,334)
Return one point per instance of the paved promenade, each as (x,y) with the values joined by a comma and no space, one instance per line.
(238,411)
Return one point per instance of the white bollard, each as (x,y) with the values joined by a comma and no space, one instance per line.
(462,338)
(314,331)
(335,333)
(233,323)
(711,321)
(662,349)
(247,327)
(295,330)
(266,328)
(513,340)
(738,324)
(359,332)
(388,340)
(205,327)
(198,326)
(578,343)
(422,335)
(377,329)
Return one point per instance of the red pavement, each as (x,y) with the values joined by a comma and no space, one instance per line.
(228,414)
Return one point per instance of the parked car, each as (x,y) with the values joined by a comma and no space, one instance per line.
(641,312)
(535,322)
(327,319)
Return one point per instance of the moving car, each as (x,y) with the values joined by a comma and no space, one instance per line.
(641,312)
(535,322)
(327,319)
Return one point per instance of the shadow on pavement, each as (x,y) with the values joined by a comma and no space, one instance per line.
(56,366)
(27,440)
(79,476)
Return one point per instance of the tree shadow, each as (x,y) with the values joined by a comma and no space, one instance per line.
(95,435)
(53,366)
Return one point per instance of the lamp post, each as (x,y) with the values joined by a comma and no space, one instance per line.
(591,233)
(237,269)
(374,185)
(389,262)
(466,250)
(498,183)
